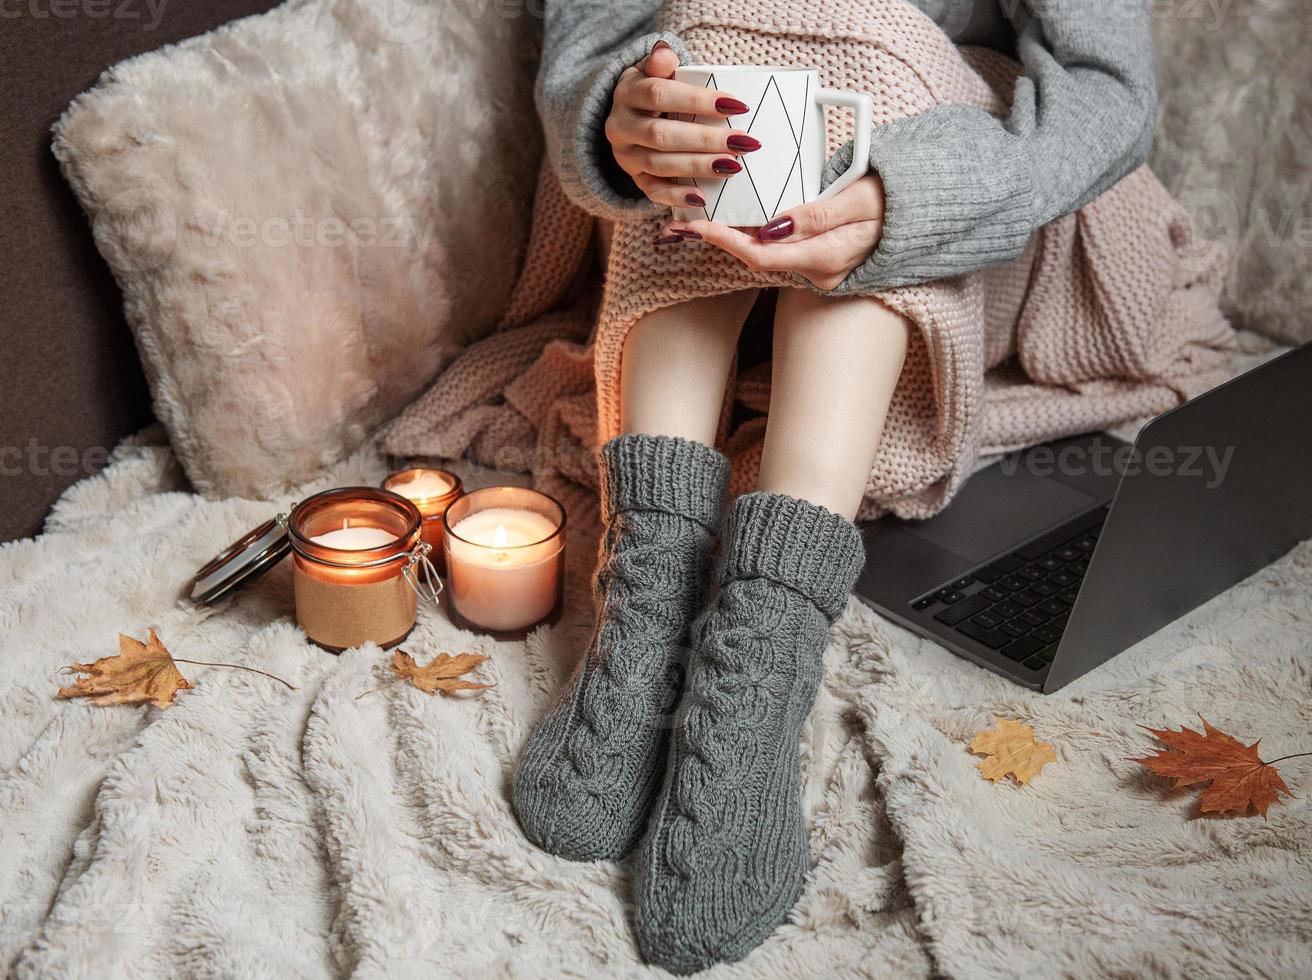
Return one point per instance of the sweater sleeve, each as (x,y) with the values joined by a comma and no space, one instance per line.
(586,46)
(964,189)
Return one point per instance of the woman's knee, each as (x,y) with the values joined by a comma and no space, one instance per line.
(837,315)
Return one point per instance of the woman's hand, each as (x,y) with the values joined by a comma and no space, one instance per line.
(654,150)
(822,242)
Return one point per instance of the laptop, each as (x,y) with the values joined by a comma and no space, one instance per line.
(1055,559)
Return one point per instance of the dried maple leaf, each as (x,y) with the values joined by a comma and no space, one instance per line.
(1236,776)
(140,672)
(443,673)
(1011,750)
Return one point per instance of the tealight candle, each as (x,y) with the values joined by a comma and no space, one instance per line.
(423,484)
(351,552)
(505,552)
(432,491)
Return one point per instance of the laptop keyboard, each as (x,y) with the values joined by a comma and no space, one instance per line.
(1018,604)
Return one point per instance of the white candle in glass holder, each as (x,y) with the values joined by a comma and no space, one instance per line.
(504,567)
(432,491)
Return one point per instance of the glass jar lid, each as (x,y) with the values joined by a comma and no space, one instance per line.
(242,562)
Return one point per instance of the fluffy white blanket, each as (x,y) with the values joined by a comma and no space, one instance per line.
(253,831)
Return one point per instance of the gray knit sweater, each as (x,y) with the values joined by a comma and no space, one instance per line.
(964,190)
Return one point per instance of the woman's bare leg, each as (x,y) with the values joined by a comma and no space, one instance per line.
(676,363)
(836,363)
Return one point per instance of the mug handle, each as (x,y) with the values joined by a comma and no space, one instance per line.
(864,107)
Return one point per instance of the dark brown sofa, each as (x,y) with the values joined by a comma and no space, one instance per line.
(70,382)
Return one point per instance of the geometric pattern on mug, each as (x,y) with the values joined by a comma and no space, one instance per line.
(766,182)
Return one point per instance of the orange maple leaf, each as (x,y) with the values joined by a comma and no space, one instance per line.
(140,672)
(1235,775)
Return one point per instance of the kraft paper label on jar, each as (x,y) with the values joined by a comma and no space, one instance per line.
(339,616)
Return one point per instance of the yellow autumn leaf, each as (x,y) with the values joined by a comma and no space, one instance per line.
(1010,750)
(443,673)
(140,672)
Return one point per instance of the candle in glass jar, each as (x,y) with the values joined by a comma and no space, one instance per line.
(505,557)
(432,491)
(352,550)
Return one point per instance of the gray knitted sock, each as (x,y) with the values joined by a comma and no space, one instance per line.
(588,776)
(726,847)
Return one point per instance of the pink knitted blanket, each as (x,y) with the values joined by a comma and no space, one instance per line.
(1111,314)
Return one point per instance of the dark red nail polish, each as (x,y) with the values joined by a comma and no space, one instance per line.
(726,166)
(731,107)
(743,144)
(667,240)
(687,234)
(774,230)
(695,200)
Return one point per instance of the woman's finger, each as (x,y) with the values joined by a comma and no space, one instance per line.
(863,201)
(800,256)
(664,95)
(825,260)
(672,136)
(638,159)
(668,192)
(661,63)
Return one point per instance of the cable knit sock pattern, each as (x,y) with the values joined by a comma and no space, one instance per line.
(587,779)
(726,849)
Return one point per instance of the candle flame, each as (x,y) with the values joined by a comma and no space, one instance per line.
(499,539)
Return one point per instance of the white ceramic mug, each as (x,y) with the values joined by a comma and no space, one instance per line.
(787,116)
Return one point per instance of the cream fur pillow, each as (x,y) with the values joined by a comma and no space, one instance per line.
(308,212)
(1234,144)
